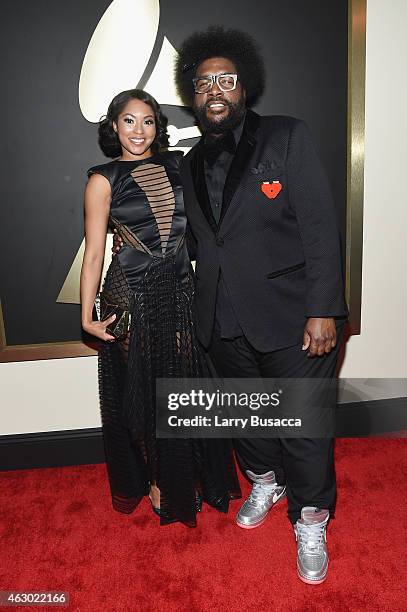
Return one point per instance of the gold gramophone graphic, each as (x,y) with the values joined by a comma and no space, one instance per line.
(123,53)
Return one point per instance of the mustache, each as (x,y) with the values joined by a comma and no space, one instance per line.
(225,102)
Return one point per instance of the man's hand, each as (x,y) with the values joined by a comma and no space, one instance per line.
(319,336)
(117,242)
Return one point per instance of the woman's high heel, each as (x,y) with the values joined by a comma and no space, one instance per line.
(158,511)
(163,514)
(198,502)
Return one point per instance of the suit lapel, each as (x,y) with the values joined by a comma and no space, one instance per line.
(241,159)
(201,190)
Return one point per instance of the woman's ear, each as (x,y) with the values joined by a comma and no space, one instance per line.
(114,124)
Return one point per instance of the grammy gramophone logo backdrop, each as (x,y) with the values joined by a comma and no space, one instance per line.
(70,60)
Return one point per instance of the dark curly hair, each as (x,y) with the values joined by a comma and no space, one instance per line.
(234,45)
(108,139)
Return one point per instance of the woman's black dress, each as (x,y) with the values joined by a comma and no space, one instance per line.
(151,276)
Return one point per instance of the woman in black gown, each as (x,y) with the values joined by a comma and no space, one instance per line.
(140,196)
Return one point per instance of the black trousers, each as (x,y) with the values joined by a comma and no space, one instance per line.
(305,466)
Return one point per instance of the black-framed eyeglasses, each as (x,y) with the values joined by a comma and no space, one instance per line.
(225,82)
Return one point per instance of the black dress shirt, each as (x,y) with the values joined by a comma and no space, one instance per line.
(226,323)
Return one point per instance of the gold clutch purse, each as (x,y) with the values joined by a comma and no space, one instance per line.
(120,326)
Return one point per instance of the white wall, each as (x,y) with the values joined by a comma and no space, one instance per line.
(49,395)
(62,394)
(380,349)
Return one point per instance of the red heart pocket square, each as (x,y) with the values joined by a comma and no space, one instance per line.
(271,190)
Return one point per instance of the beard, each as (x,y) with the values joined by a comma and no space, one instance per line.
(230,122)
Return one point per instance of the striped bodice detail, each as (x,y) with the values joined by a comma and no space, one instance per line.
(153,180)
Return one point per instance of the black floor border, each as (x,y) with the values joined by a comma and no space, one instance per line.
(51,449)
(372,418)
(84,446)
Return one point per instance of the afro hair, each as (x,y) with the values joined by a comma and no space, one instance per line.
(216,41)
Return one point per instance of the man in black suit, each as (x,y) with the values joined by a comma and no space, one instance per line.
(269,291)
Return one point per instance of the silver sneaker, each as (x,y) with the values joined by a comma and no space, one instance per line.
(265,493)
(312,552)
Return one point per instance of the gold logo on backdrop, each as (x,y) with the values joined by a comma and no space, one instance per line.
(116,59)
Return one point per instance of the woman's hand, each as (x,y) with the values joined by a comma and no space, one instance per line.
(117,242)
(98,329)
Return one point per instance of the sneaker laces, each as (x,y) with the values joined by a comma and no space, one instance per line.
(311,537)
(260,493)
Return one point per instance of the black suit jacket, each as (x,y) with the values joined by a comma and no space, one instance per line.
(280,257)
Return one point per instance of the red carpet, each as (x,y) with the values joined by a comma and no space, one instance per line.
(58,532)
